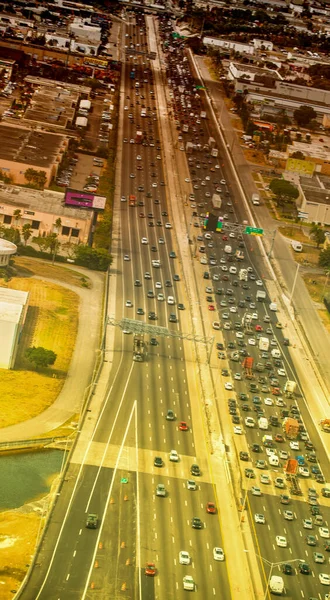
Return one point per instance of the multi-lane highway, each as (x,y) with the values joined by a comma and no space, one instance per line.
(114,473)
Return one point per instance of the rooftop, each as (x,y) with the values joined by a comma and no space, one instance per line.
(316,189)
(29,147)
(45,201)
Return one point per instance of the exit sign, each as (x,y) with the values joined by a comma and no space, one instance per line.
(254,231)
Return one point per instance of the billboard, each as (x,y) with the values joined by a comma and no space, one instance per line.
(100,63)
(302,167)
(84,200)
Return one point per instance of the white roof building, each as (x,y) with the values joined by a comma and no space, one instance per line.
(13,308)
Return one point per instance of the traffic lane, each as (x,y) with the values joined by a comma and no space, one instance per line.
(73,554)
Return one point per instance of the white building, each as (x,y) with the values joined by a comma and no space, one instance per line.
(13,309)
(88,32)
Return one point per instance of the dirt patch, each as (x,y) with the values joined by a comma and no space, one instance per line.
(18,535)
(316,285)
(27,267)
(295,233)
(254,156)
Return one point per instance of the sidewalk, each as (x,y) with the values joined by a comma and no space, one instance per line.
(69,401)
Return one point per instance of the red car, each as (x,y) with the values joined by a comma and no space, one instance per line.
(225,238)
(259,328)
(279,438)
(150,569)
(276,391)
(141,215)
(211,307)
(211,508)
(183,426)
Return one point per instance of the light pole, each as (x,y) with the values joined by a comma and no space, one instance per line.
(275,564)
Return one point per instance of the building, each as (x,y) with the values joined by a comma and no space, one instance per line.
(234,46)
(41,209)
(250,73)
(7,249)
(91,33)
(314,200)
(316,156)
(13,309)
(22,149)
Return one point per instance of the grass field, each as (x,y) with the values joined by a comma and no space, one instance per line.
(27,267)
(51,322)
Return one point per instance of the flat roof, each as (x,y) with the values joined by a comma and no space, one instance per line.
(54,106)
(45,201)
(316,189)
(54,84)
(10,312)
(31,147)
(13,296)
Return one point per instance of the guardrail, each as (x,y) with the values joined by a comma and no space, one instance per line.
(30,443)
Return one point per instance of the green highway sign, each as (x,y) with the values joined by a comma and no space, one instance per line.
(254,231)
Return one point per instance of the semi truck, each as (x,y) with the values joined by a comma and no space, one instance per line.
(264,344)
(291,428)
(216,201)
(261,295)
(243,274)
(290,387)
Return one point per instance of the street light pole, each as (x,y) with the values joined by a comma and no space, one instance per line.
(276,564)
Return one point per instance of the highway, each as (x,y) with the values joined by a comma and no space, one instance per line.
(113,472)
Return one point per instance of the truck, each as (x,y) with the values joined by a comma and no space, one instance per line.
(263,423)
(138,348)
(239,255)
(290,428)
(276,585)
(243,274)
(290,387)
(247,364)
(143,112)
(132,74)
(291,466)
(261,295)
(189,147)
(132,200)
(211,142)
(264,344)
(325,425)
(92,521)
(216,201)
(214,152)
(228,249)
(203,114)
(255,199)
(139,137)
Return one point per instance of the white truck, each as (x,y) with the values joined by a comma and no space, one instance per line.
(211,142)
(243,274)
(216,201)
(261,295)
(263,423)
(203,114)
(214,152)
(264,344)
(255,199)
(276,585)
(185,128)
(228,249)
(290,387)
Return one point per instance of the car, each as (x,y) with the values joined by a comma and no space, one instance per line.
(140,311)
(281,541)
(183,426)
(259,518)
(158,461)
(129,304)
(172,254)
(279,438)
(211,508)
(150,569)
(318,557)
(287,569)
(174,457)
(294,445)
(269,401)
(303,471)
(251,341)
(324,578)
(244,456)
(304,568)
(256,448)
(152,316)
(324,532)
(153,342)
(311,540)
(92,521)
(284,499)
(170,416)
(126,257)
(191,485)
(160,490)
(261,464)
(238,430)
(256,491)
(288,515)
(265,479)
(160,297)
(216,325)
(229,386)
(195,470)
(144,240)
(184,558)
(218,554)
(173,318)
(249,422)
(168,226)
(196,523)
(249,473)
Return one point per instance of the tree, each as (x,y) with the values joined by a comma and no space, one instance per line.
(29,174)
(26,232)
(17,215)
(284,191)
(318,235)
(324,258)
(298,155)
(304,115)
(58,225)
(41,357)
(97,259)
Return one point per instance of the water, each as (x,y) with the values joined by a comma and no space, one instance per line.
(26,476)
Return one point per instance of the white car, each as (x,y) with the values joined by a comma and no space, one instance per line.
(304,471)
(284,454)
(259,282)
(207,236)
(229,385)
(238,430)
(281,372)
(168,226)
(203,260)
(252,341)
(122,199)
(239,335)
(126,257)
(256,491)
(144,240)
(233,309)
(281,541)
(307,524)
(218,554)
(174,457)
(259,518)
(184,558)
(154,185)
(188,582)
(158,285)
(249,422)
(132,141)
(254,316)
(129,304)
(138,157)
(238,377)
(161,241)
(288,515)
(216,325)
(269,401)
(191,485)
(223,182)
(324,578)
(270,451)
(324,532)
(160,297)
(279,401)
(294,445)
(265,479)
